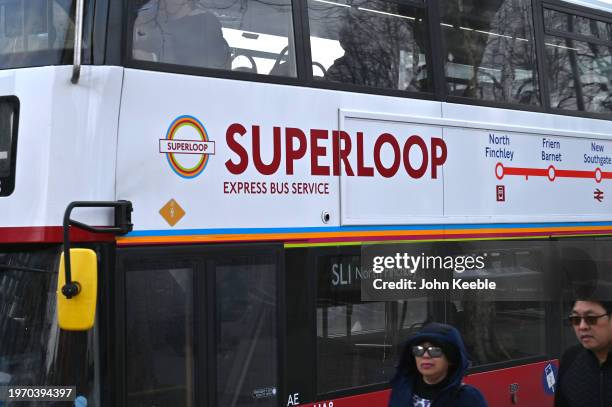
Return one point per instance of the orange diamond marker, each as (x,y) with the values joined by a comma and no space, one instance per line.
(172,212)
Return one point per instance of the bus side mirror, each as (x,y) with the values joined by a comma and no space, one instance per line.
(78,312)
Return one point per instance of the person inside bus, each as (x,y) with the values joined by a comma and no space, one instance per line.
(179,32)
(367,61)
(585,371)
(431,369)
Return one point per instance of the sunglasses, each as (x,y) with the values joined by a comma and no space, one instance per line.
(434,351)
(588,319)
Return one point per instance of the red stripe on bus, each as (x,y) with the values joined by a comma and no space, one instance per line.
(497,386)
(49,234)
(374,399)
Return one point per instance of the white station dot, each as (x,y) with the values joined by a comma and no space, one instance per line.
(499,170)
(598,175)
(551,173)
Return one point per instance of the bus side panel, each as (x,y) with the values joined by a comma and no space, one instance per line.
(374,399)
(66,147)
(527,382)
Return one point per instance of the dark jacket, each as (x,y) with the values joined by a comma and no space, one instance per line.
(455,394)
(582,381)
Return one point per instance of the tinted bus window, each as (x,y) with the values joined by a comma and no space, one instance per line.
(357,342)
(247,364)
(578,70)
(502,331)
(34,351)
(41,32)
(9,121)
(372,43)
(490,50)
(558,21)
(159,336)
(250,36)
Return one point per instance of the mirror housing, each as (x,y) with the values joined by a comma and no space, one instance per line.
(78,312)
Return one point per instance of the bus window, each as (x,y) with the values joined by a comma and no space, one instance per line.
(563,23)
(9,120)
(357,342)
(578,70)
(374,43)
(490,50)
(39,32)
(249,36)
(159,336)
(502,331)
(246,340)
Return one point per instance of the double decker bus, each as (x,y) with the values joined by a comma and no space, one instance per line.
(228,164)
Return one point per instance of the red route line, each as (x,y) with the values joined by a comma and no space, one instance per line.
(575,174)
(551,173)
(534,172)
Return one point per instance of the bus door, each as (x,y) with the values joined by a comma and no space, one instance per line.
(198,327)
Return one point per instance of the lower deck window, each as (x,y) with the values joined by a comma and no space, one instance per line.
(358,343)
(502,331)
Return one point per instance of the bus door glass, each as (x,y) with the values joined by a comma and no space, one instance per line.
(159,340)
(201,328)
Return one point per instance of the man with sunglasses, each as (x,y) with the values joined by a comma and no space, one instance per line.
(585,371)
(431,369)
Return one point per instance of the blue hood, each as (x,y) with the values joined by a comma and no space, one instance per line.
(444,336)
(454,394)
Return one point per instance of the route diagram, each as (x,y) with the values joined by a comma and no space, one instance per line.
(551,173)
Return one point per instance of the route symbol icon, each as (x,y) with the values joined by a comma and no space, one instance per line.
(598,195)
(501,193)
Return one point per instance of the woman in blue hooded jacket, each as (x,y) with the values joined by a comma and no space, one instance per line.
(430,371)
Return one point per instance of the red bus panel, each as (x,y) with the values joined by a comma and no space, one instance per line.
(524,386)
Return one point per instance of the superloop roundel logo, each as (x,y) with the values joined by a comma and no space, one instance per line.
(187,146)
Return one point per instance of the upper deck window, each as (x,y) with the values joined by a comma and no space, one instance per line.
(579,62)
(249,36)
(373,43)
(490,50)
(40,32)
(563,23)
